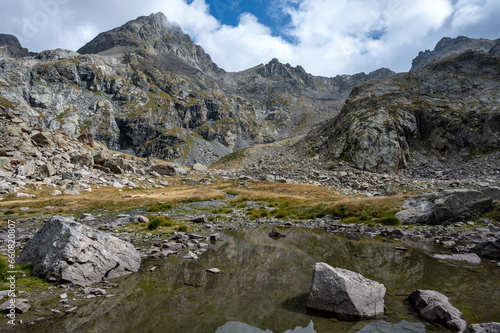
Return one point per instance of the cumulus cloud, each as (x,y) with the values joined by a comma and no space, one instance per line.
(325,37)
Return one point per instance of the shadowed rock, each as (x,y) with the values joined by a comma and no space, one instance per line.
(67,251)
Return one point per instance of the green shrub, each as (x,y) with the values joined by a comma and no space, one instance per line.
(161,221)
(389,220)
(9,212)
(183,228)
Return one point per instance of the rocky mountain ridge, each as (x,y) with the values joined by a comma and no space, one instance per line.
(151,91)
(147,89)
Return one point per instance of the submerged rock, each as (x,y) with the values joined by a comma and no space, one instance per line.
(470,258)
(67,251)
(436,308)
(344,294)
(276,234)
(443,206)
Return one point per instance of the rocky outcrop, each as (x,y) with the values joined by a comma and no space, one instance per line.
(444,206)
(11,48)
(436,308)
(490,249)
(344,294)
(449,47)
(483,328)
(447,108)
(66,251)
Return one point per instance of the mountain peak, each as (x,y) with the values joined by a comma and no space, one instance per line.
(156,34)
(447,47)
(11,48)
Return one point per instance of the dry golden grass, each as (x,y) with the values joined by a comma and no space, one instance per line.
(290,200)
(107,198)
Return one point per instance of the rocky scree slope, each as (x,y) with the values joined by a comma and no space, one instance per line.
(449,108)
(146,88)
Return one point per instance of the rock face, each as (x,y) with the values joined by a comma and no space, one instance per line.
(436,308)
(66,251)
(445,108)
(344,294)
(483,328)
(444,206)
(490,250)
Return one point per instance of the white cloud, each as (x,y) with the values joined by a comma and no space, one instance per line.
(329,37)
(244,46)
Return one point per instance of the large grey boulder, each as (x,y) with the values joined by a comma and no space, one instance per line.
(344,294)
(490,249)
(436,308)
(483,328)
(67,251)
(443,206)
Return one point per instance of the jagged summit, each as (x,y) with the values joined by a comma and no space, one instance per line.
(447,47)
(156,35)
(11,48)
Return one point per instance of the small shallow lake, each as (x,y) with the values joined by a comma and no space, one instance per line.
(265,285)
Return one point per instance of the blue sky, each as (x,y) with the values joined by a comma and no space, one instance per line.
(326,37)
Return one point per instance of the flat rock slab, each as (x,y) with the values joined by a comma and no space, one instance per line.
(19,305)
(66,251)
(344,295)
(436,308)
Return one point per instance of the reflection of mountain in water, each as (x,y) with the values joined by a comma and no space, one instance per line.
(235,327)
(265,285)
(380,326)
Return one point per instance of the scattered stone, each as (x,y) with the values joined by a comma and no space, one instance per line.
(344,294)
(214,271)
(483,328)
(72,191)
(215,237)
(20,305)
(199,219)
(142,219)
(436,308)
(190,255)
(63,296)
(67,251)
(152,269)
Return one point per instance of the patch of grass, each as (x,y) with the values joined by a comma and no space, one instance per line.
(26,281)
(9,212)
(161,221)
(389,220)
(161,207)
(183,228)
(494,215)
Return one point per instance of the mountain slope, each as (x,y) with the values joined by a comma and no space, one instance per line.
(450,107)
(148,89)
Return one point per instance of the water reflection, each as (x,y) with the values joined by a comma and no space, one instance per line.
(380,326)
(245,328)
(265,283)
